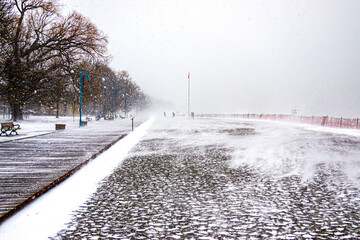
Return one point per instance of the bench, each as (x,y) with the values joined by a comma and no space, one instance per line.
(9,127)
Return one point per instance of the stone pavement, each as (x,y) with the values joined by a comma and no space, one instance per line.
(225,179)
(31,166)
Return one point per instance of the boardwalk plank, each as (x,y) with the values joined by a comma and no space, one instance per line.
(27,166)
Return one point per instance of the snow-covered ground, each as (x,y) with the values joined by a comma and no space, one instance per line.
(283,149)
(210,179)
(37,125)
(49,213)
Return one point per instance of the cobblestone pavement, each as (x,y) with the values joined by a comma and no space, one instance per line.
(197,180)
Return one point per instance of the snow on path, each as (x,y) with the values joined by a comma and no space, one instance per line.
(283,149)
(226,179)
(46,215)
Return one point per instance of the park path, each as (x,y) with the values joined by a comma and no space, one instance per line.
(31,166)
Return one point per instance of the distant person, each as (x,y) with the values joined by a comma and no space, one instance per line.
(173,114)
(164,114)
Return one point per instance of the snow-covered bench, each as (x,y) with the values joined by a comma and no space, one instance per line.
(9,127)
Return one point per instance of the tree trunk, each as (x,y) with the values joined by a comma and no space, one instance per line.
(16,111)
(57,109)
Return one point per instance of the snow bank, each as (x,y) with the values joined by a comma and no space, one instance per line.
(50,212)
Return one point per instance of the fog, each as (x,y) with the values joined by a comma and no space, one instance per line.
(243,56)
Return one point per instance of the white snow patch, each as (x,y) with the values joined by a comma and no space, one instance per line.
(283,150)
(343,131)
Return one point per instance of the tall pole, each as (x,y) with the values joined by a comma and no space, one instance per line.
(81,78)
(189,94)
(81,75)
(113,93)
(126,115)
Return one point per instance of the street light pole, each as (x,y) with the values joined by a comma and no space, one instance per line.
(113,96)
(189,94)
(125,105)
(86,78)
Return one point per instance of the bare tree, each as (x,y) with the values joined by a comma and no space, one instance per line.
(119,91)
(41,47)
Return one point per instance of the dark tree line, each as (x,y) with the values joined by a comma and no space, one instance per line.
(42,53)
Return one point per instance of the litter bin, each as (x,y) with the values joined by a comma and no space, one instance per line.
(60,126)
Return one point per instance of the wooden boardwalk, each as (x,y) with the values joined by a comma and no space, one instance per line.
(31,166)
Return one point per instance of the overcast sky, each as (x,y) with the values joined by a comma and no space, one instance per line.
(244,56)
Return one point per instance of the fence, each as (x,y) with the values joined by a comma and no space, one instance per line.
(314,120)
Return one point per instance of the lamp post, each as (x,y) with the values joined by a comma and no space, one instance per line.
(189,94)
(104,106)
(81,78)
(127,98)
(113,96)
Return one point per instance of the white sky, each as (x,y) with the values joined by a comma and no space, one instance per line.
(244,56)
